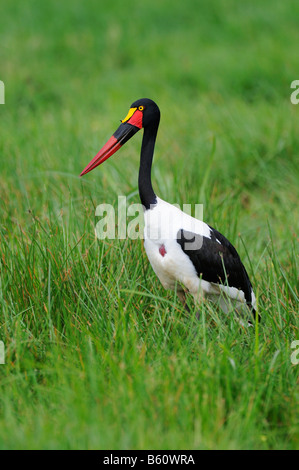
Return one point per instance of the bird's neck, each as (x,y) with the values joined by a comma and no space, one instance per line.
(146,192)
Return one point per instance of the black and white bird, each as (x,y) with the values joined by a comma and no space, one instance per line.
(185,253)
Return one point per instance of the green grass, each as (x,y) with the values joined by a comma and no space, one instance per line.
(98,355)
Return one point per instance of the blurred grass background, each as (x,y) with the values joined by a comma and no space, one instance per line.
(98,355)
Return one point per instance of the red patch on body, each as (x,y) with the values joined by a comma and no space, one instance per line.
(162,250)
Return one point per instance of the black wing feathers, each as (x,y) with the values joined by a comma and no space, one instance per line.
(216,261)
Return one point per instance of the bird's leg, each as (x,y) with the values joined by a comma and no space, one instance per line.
(198,300)
(182,297)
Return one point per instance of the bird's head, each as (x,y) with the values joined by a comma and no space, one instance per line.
(143,113)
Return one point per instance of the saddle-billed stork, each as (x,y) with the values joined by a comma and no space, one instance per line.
(184,252)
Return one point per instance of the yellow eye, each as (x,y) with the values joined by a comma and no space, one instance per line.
(141,108)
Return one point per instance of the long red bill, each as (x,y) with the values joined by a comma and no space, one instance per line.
(109,149)
(119,138)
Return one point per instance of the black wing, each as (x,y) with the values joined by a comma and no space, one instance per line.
(216,260)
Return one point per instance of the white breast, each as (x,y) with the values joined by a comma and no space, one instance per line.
(162,224)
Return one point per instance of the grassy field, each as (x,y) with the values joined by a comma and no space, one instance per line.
(97,354)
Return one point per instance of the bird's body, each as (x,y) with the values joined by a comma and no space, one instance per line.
(180,258)
(184,252)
